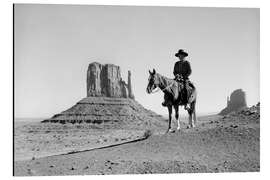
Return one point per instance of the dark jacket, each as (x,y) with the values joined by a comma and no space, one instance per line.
(182,68)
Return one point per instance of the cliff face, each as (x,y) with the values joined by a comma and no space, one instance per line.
(105,80)
(94,79)
(236,102)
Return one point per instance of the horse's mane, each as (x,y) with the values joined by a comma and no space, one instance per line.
(170,84)
(165,79)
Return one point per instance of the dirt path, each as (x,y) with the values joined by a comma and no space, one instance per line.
(225,145)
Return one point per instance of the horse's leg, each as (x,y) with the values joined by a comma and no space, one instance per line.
(176,108)
(170,118)
(190,119)
(194,113)
(191,114)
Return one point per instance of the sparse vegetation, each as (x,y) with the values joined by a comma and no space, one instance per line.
(147,133)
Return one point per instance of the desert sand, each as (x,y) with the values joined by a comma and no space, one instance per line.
(218,144)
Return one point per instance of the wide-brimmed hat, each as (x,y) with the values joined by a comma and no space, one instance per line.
(181,51)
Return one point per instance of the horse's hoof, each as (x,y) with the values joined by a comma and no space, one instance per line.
(170,131)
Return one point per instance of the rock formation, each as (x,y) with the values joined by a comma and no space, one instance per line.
(248,114)
(235,102)
(94,79)
(105,80)
(130,93)
(109,99)
(122,111)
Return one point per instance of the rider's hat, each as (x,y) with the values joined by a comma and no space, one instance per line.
(181,51)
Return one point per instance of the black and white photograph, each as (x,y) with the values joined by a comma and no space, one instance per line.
(116,89)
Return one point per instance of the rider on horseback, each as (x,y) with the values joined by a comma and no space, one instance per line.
(182,71)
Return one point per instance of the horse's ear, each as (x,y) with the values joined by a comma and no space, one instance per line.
(154,71)
(150,72)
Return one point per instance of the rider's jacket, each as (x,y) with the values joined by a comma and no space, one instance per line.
(182,68)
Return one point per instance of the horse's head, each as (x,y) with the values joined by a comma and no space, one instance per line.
(152,81)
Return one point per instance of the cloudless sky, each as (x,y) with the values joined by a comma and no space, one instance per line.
(55,43)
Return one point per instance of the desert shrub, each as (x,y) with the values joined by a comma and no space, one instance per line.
(147,133)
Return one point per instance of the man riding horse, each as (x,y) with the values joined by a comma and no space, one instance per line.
(181,71)
(177,92)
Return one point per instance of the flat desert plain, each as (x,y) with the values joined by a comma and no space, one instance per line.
(217,144)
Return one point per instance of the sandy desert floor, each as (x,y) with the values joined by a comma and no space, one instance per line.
(35,140)
(217,144)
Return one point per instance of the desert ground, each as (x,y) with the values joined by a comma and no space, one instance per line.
(228,143)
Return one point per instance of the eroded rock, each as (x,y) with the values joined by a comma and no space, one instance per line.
(105,80)
(235,102)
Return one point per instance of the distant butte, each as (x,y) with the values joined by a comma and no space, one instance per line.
(235,102)
(109,99)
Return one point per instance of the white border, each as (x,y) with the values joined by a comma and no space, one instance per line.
(6,83)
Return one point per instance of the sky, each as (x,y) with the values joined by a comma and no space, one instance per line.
(55,43)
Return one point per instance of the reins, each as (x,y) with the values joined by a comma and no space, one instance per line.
(158,89)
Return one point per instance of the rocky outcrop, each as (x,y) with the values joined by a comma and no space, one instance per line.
(120,112)
(105,80)
(250,114)
(130,93)
(94,79)
(109,100)
(235,102)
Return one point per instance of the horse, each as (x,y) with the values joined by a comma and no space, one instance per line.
(172,91)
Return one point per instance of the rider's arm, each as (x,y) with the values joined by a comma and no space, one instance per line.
(189,71)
